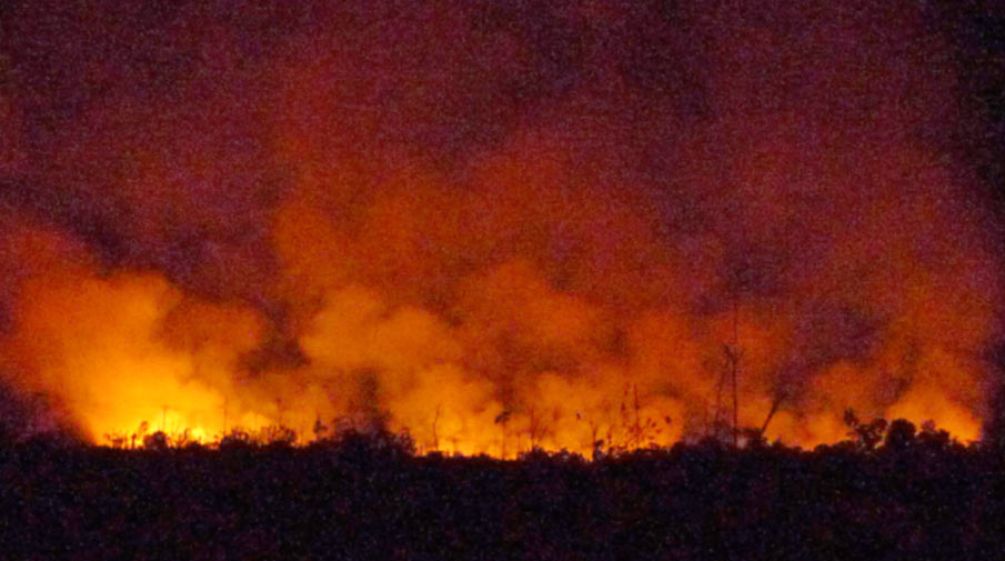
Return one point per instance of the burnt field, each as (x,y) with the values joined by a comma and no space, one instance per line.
(909,495)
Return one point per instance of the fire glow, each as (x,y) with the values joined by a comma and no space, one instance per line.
(545,238)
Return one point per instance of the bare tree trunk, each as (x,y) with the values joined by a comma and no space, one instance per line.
(775,404)
(735,367)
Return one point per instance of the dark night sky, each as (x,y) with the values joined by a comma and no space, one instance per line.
(449,87)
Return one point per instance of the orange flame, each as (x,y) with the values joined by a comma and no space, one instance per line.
(537,241)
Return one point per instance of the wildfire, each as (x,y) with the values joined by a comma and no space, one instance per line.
(535,241)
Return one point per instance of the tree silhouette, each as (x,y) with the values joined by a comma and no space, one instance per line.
(900,435)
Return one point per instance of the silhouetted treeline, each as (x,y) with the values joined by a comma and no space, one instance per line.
(910,495)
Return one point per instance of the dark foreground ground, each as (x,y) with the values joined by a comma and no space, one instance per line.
(914,497)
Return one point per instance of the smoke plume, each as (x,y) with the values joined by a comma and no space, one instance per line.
(492,225)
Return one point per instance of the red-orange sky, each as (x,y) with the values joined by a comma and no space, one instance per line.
(497,225)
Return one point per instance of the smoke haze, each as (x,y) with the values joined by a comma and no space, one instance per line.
(492,226)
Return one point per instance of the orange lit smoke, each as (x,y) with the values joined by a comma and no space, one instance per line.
(537,239)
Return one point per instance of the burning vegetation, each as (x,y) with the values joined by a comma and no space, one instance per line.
(564,225)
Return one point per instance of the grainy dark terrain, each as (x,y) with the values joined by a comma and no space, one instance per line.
(910,497)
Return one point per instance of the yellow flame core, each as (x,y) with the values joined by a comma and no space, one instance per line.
(129,355)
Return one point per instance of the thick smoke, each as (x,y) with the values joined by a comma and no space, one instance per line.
(495,226)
